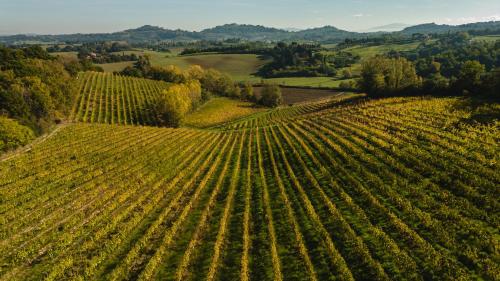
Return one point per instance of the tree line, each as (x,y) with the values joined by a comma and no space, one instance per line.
(98,52)
(194,86)
(305,60)
(452,65)
(36,91)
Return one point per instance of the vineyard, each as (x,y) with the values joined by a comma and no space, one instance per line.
(344,189)
(114,99)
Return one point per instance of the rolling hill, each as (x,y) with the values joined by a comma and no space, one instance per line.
(355,189)
(444,28)
(150,34)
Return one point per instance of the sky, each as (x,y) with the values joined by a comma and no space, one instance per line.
(98,16)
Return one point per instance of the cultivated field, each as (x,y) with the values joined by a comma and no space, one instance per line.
(298,95)
(115,66)
(346,189)
(115,99)
(488,38)
(370,51)
(67,55)
(240,67)
(218,111)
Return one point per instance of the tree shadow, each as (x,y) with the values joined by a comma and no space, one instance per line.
(483,110)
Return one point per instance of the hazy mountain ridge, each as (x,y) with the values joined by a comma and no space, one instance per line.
(148,33)
(443,28)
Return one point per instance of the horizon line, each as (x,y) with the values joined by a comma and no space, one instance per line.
(234,23)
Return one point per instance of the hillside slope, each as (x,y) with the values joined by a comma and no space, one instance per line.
(114,99)
(391,189)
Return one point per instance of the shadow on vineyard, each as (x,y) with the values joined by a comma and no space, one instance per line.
(349,187)
(246,152)
(480,110)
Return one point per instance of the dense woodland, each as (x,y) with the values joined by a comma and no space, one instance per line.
(36,90)
(452,65)
(98,52)
(304,60)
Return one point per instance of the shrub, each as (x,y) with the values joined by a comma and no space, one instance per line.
(347,74)
(13,134)
(271,95)
(247,92)
(349,84)
(469,78)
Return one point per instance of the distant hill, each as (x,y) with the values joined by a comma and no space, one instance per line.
(326,33)
(443,28)
(145,33)
(244,31)
(148,33)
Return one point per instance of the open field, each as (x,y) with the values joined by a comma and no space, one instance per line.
(334,82)
(328,82)
(488,38)
(389,189)
(115,99)
(115,66)
(239,66)
(370,51)
(218,111)
(66,55)
(298,95)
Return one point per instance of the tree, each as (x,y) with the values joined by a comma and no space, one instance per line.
(194,92)
(143,64)
(271,95)
(195,72)
(491,84)
(347,74)
(219,84)
(386,76)
(470,75)
(247,92)
(12,134)
(348,84)
(173,105)
(435,67)
(33,91)
(436,84)
(170,73)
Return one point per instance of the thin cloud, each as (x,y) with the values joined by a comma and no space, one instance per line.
(361,15)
